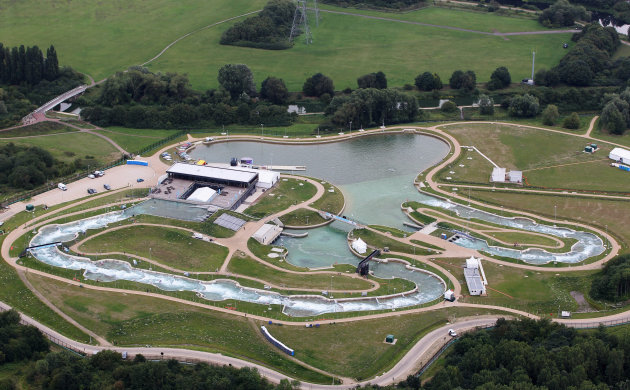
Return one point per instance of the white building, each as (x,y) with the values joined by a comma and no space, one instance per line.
(475,276)
(267,233)
(620,155)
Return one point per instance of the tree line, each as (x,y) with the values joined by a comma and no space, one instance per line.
(612,283)
(27,65)
(267,30)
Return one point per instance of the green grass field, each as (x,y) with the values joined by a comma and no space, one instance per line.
(69,146)
(171,247)
(133,140)
(346,47)
(41,128)
(611,215)
(111,37)
(249,267)
(285,194)
(547,159)
(138,320)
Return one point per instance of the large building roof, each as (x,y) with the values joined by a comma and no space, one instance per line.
(208,172)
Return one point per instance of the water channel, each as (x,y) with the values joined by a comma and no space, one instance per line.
(376,175)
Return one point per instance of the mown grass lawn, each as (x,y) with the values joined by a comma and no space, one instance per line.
(69,146)
(346,47)
(101,38)
(171,247)
(133,140)
(41,128)
(286,193)
(547,159)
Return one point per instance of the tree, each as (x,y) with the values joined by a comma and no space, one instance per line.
(572,121)
(274,90)
(51,69)
(500,78)
(486,105)
(428,82)
(550,115)
(562,13)
(524,106)
(237,79)
(612,119)
(461,80)
(373,80)
(317,85)
(448,106)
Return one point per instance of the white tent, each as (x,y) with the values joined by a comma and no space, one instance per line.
(359,245)
(498,175)
(202,195)
(620,155)
(266,178)
(472,263)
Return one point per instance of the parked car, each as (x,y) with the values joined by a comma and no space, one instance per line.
(99,173)
(91,191)
(91,176)
(452,333)
(140,180)
(107,186)
(62,186)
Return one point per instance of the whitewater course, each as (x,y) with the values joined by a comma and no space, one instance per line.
(375,174)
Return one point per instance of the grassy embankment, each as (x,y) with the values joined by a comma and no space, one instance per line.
(171,247)
(287,192)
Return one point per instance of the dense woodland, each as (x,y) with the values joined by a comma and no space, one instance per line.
(267,30)
(613,282)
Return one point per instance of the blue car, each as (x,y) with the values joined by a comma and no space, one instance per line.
(140,180)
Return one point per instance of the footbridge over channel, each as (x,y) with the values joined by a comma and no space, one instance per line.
(340,218)
(54,102)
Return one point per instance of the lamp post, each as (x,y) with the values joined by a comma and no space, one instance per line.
(554,215)
(262,129)
(350,127)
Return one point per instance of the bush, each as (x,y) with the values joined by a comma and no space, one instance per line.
(317,85)
(550,115)
(448,106)
(486,105)
(500,78)
(572,121)
(428,82)
(524,106)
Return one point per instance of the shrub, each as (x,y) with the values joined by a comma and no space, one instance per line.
(448,106)
(572,121)
(550,115)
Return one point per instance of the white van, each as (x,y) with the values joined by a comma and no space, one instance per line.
(62,187)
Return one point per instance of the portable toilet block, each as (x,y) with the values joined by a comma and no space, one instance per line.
(30,207)
(588,149)
(389,338)
(449,295)
(594,146)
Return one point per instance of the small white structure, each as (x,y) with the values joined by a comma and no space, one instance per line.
(267,179)
(449,295)
(475,277)
(620,155)
(515,177)
(565,314)
(498,175)
(297,109)
(202,195)
(267,233)
(359,245)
